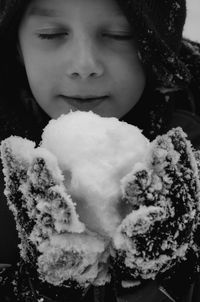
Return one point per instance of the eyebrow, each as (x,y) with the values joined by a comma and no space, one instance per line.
(42,12)
(47,12)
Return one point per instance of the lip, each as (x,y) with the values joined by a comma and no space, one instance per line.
(84,102)
(85,98)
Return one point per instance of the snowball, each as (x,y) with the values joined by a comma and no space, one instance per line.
(95,153)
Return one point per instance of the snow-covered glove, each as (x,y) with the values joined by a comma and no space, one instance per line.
(53,239)
(164,201)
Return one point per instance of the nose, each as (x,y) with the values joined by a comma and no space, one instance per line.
(84,62)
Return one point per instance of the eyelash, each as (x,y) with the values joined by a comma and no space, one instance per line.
(51,36)
(60,35)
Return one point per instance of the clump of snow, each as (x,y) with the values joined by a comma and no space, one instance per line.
(95,153)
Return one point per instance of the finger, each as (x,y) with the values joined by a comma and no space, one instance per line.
(141,188)
(138,253)
(15,164)
(49,203)
(179,171)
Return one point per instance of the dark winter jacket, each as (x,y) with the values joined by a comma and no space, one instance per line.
(185,114)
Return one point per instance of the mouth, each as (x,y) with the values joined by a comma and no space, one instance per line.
(85,102)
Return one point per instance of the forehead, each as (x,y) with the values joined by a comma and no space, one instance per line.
(64,8)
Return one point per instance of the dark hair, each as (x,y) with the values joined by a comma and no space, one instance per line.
(20,114)
(158,27)
(12,72)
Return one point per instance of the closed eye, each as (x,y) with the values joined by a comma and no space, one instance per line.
(58,35)
(52,36)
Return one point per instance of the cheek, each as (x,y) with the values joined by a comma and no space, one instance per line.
(132,67)
(129,75)
(41,74)
(136,78)
(38,64)
(38,67)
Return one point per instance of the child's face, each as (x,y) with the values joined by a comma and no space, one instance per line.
(80,55)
